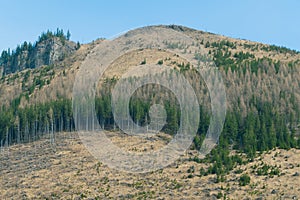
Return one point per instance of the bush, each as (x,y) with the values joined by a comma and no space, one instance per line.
(143,62)
(244,180)
(160,62)
(219,195)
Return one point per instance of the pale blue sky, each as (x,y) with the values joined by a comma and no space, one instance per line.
(268,21)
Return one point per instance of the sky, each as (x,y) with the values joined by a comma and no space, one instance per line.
(267,21)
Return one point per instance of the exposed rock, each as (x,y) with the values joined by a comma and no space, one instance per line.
(45,52)
(52,50)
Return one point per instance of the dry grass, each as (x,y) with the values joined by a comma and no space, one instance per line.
(65,71)
(66,170)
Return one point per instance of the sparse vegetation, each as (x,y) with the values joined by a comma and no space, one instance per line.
(143,62)
(263,111)
(160,62)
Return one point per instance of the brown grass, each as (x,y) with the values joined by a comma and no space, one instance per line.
(66,170)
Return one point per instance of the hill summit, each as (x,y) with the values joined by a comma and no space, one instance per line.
(50,48)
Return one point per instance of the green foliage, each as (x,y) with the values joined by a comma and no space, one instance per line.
(183,67)
(243,56)
(277,66)
(68,36)
(144,62)
(207,44)
(253,47)
(261,128)
(219,195)
(35,120)
(279,49)
(244,180)
(223,44)
(58,33)
(266,170)
(23,57)
(238,171)
(198,141)
(78,45)
(26,76)
(160,62)
(242,61)
(256,132)
(222,59)
(203,172)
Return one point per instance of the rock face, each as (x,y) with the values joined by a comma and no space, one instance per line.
(52,50)
(44,52)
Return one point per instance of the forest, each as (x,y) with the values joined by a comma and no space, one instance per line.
(256,132)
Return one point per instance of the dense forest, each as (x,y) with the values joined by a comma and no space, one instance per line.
(258,131)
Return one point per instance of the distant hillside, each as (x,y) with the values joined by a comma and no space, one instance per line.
(262,84)
(50,48)
(261,81)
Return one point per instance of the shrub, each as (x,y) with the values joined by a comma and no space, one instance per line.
(244,180)
(160,62)
(143,62)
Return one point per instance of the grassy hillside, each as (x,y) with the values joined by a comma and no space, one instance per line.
(262,87)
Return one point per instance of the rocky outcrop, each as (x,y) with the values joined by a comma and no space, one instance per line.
(44,52)
(52,50)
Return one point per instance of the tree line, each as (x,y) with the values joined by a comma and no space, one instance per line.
(261,129)
(24,56)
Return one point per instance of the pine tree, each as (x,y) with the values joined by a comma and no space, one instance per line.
(68,35)
(272,137)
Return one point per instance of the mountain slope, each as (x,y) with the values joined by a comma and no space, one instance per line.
(262,87)
(254,59)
